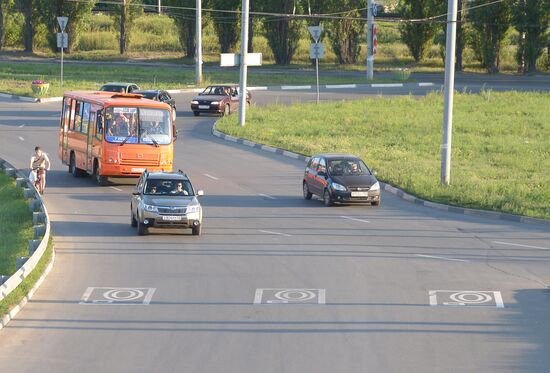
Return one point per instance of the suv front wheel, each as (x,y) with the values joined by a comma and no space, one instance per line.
(141,228)
(197,230)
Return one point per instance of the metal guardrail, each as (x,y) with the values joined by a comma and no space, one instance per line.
(41,222)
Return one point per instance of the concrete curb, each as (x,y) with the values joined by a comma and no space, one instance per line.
(393,190)
(259,88)
(37,247)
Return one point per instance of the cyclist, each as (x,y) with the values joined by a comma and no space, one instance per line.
(40,163)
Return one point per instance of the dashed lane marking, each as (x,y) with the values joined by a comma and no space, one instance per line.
(22,139)
(267,196)
(21,126)
(276,233)
(291,87)
(117,189)
(355,219)
(211,177)
(517,244)
(388,85)
(441,257)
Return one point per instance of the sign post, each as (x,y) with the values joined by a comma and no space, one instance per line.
(316,50)
(62,40)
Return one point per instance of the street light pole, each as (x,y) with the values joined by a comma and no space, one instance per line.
(244,67)
(370,55)
(449,92)
(198,51)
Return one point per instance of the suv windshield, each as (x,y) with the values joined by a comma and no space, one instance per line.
(164,187)
(114,88)
(134,125)
(347,167)
(215,91)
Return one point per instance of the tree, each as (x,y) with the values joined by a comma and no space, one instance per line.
(125,14)
(76,11)
(416,34)
(282,33)
(530,19)
(5,5)
(28,8)
(440,7)
(226,24)
(185,23)
(345,34)
(491,23)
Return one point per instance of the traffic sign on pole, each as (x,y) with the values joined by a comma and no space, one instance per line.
(62,22)
(315,32)
(62,40)
(316,50)
(375,9)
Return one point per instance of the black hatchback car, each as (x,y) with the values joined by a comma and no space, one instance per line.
(159,95)
(340,178)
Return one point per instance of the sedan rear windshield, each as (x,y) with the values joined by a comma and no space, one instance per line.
(164,187)
(215,91)
(347,167)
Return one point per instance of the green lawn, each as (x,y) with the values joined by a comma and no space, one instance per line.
(16,78)
(500,155)
(15,225)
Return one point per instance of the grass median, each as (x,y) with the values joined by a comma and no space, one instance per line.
(16,230)
(500,154)
(16,78)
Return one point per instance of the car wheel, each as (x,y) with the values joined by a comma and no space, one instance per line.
(133,221)
(196,113)
(327,199)
(197,230)
(307,193)
(142,229)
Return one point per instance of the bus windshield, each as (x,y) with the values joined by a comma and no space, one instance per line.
(137,125)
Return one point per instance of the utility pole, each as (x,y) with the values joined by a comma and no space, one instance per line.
(159,6)
(198,52)
(244,67)
(370,55)
(123,27)
(449,92)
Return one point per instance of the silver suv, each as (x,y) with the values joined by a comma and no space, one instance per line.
(165,200)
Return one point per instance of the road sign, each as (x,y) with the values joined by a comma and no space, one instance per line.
(316,50)
(62,40)
(234,59)
(62,22)
(315,32)
(374,9)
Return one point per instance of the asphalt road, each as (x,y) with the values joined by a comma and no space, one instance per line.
(376,268)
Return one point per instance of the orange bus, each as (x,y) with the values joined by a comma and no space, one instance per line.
(107,134)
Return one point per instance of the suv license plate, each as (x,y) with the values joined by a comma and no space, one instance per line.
(172,218)
(204,106)
(135,169)
(359,194)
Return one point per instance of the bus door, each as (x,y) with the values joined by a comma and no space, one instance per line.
(66,120)
(90,141)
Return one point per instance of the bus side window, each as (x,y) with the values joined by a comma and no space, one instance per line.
(78,116)
(85,117)
(99,125)
(93,128)
(72,115)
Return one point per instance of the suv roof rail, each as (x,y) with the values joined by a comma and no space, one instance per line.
(182,173)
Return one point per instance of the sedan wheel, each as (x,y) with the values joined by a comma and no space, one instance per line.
(327,199)
(307,193)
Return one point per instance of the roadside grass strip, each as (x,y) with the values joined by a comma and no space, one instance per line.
(16,78)
(16,228)
(500,153)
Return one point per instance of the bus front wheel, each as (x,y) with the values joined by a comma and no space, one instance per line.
(100,180)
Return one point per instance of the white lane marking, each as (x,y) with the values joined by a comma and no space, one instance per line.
(22,139)
(296,87)
(425,84)
(388,85)
(517,244)
(276,233)
(257,88)
(354,219)
(441,257)
(211,177)
(21,126)
(267,196)
(341,86)
(115,188)
(470,298)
